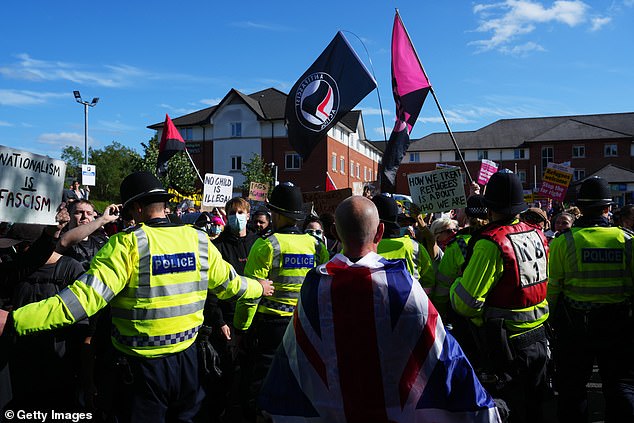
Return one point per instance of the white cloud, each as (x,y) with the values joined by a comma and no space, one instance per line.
(176,111)
(112,76)
(259,25)
(210,101)
(5,123)
(509,20)
(599,22)
(372,111)
(63,139)
(379,131)
(26,98)
(114,126)
(43,70)
(523,49)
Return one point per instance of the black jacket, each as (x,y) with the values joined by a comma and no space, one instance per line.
(234,250)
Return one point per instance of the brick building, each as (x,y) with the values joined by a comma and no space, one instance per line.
(222,138)
(526,146)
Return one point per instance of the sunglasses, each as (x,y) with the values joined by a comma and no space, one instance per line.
(316,232)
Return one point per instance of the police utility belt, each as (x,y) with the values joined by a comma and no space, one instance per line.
(528,338)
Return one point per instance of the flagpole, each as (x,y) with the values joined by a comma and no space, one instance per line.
(455,144)
(195,168)
(377,82)
(433,93)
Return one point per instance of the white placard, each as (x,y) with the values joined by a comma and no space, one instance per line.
(88,174)
(217,190)
(31,186)
(438,190)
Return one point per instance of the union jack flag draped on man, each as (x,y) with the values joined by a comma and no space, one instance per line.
(367,345)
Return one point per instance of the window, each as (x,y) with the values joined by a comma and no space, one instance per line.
(236,129)
(483,154)
(547,157)
(610,150)
(293,161)
(414,157)
(365,173)
(519,153)
(187,133)
(579,174)
(334,162)
(358,171)
(578,151)
(236,163)
(351,168)
(521,174)
(457,157)
(342,165)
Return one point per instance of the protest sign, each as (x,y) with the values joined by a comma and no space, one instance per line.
(555,181)
(258,191)
(31,186)
(217,190)
(437,191)
(88,174)
(357,188)
(487,168)
(326,201)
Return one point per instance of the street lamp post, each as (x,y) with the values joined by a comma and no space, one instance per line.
(86,104)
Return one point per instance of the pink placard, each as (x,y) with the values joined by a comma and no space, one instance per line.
(487,168)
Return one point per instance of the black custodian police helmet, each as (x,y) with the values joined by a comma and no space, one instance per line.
(143,187)
(287,200)
(476,207)
(388,211)
(594,191)
(505,194)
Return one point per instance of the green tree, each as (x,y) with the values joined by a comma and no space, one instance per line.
(180,173)
(74,158)
(113,163)
(257,171)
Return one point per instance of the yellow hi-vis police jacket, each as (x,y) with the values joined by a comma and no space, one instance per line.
(416,258)
(591,265)
(285,259)
(449,269)
(156,280)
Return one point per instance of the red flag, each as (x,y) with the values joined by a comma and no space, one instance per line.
(330,185)
(410,87)
(171,143)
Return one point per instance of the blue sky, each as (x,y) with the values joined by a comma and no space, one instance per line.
(487,60)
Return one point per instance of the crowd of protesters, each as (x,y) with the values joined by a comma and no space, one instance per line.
(73,368)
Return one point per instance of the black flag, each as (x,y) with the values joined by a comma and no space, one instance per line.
(329,89)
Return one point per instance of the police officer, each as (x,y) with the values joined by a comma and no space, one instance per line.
(590,291)
(155,276)
(456,252)
(504,286)
(394,245)
(284,257)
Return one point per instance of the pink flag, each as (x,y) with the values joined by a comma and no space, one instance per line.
(410,87)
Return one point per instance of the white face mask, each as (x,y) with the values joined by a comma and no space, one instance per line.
(237,222)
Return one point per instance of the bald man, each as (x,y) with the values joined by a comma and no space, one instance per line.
(358,227)
(366,344)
